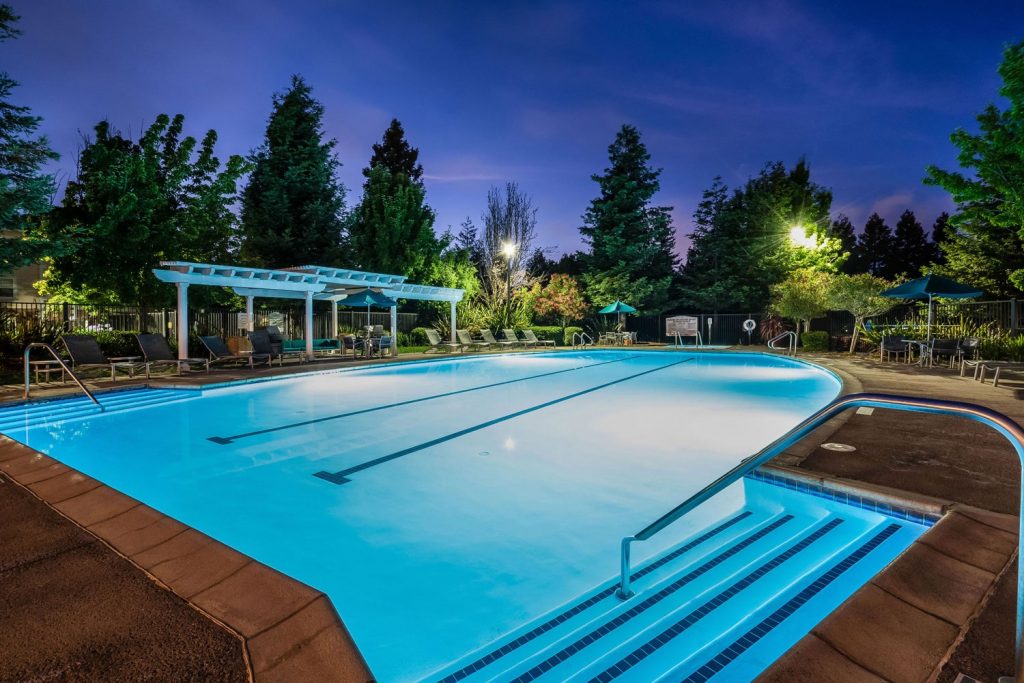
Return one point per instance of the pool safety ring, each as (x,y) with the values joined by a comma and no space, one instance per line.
(749,325)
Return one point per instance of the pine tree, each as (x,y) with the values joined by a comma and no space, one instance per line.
(393,228)
(875,246)
(632,244)
(940,233)
(25,191)
(293,208)
(911,250)
(843,230)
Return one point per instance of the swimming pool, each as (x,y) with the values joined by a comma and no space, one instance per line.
(445,505)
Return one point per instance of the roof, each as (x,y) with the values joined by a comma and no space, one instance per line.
(326,283)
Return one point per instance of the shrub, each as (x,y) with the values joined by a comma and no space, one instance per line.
(553,332)
(417,336)
(814,341)
(569,331)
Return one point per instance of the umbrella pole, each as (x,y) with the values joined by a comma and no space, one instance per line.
(930,317)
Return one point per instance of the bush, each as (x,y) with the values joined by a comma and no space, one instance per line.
(814,341)
(553,332)
(414,337)
(569,331)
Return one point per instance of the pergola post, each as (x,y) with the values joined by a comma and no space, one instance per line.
(453,321)
(182,320)
(250,324)
(334,319)
(394,331)
(309,325)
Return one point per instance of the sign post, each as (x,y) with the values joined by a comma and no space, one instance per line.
(680,326)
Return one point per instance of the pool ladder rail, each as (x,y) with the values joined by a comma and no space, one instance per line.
(64,366)
(790,337)
(581,340)
(1012,431)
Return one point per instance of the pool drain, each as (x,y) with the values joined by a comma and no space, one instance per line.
(841,447)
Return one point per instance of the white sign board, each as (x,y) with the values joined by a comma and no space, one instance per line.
(682,326)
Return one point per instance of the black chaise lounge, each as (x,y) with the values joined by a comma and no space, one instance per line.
(263,346)
(85,354)
(157,352)
(220,353)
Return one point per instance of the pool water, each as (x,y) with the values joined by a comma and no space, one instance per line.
(443,505)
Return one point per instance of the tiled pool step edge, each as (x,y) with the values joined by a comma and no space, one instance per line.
(289,630)
(904,624)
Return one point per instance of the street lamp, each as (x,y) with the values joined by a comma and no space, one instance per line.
(509,251)
(799,237)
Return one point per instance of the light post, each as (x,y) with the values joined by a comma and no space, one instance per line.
(799,237)
(509,250)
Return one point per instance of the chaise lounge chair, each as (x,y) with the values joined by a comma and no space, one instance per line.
(511,337)
(488,337)
(219,353)
(262,346)
(85,354)
(468,342)
(438,346)
(532,339)
(157,352)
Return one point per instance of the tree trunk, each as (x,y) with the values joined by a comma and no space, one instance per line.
(857,322)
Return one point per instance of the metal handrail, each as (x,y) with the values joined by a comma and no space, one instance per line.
(66,368)
(584,339)
(1012,431)
(791,346)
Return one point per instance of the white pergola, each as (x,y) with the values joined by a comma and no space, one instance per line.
(311,283)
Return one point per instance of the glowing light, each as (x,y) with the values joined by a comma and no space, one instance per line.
(508,249)
(799,237)
(510,444)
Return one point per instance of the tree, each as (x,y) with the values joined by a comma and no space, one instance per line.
(25,191)
(562,299)
(453,269)
(911,250)
(842,230)
(632,243)
(875,247)
(940,233)
(989,217)
(395,153)
(135,204)
(510,226)
(293,207)
(859,295)
(751,239)
(802,296)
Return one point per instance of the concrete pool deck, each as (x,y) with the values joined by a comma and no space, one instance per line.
(962,621)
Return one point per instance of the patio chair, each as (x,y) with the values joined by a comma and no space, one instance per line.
(262,346)
(511,337)
(220,353)
(156,352)
(944,349)
(85,354)
(488,337)
(531,339)
(438,346)
(379,344)
(970,347)
(893,346)
(468,342)
(356,344)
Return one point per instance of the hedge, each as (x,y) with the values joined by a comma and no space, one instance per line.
(569,331)
(814,341)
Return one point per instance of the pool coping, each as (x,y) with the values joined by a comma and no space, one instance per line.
(289,630)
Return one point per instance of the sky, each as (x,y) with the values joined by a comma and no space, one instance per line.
(534,92)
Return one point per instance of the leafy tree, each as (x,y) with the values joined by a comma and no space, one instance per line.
(25,191)
(510,221)
(632,244)
(573,264)
(875,247)
(396,154)
(135,204)
(453,269)
(911,250)
(293,207)
(743,241)
(989,218)
(940,233)
(859,295)
(562,299)
(842,230)
(802,296)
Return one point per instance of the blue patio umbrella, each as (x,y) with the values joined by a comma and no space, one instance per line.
(617,308)
(368,298)
(929,287)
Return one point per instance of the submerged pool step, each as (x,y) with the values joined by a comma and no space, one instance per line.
(690,604)
(29,415)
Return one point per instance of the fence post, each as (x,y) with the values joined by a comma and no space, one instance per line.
(64,309)
(1013,315)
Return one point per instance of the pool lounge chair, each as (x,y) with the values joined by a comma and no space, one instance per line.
(85,354)
(468,342)
(532,340)
(219,353)
(438,346)
(488,337)
(262,346)
(511,337)
(156,352)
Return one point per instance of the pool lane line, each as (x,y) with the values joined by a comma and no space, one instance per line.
(225,440)
(341,476)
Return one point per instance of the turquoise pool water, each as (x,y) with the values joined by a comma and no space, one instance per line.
(443,505)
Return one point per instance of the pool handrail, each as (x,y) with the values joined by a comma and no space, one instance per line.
(584,340)
(790,345)
(63,365)
(1003,424)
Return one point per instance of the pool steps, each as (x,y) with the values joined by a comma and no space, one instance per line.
(26,415)
(681,624)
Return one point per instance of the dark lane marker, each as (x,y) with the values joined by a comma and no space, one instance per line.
(341,476)
(224,440)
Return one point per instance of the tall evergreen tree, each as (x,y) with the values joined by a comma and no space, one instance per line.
(393,228)
(843,230)
(25,191)
(986,248)
(632,243)
(293,207)
(875,246)
(911,250)
(940,233)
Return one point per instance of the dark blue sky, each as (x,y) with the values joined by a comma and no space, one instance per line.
(534,91)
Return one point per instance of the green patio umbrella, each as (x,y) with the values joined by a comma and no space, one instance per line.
(368,298)
(929,287)
(617,308)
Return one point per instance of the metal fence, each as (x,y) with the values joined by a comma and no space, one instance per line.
(715,328)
